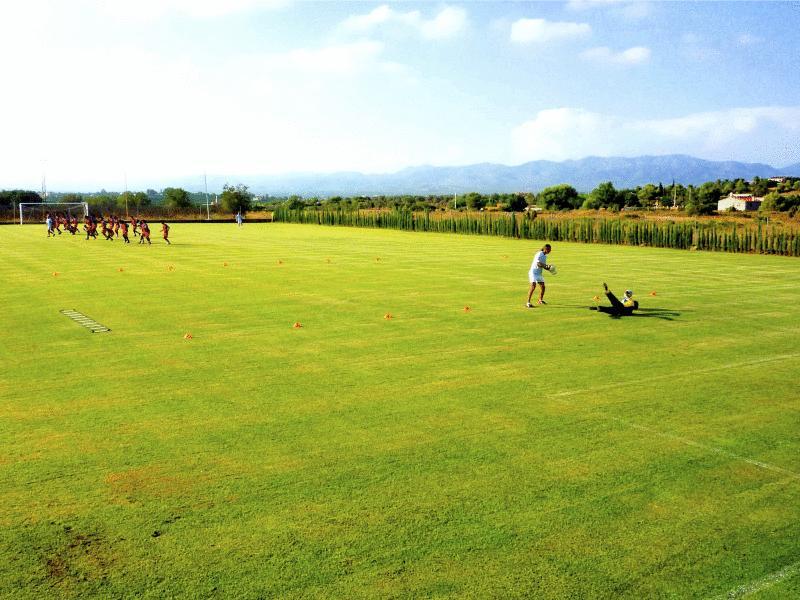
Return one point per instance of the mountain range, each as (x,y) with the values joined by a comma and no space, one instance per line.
(584,175)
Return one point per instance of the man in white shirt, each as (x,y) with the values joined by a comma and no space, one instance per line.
(535,276)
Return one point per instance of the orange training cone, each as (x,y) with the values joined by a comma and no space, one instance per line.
(467,309)
(387,316)
(652,293)
(188,336)
(596,298)
(280,262)
(55,273)
(120,269)
(224,264)
(297,325)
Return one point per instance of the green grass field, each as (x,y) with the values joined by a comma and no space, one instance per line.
(499,452)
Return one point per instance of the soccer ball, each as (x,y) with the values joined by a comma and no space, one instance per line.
(553,270)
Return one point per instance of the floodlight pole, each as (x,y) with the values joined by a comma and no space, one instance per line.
(208,210)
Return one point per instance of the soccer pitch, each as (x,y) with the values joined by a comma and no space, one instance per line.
(492,452)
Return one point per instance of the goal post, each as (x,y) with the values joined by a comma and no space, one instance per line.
(35,212)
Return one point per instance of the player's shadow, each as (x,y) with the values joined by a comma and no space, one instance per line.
(657,313)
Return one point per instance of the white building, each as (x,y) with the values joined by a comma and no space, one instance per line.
(741,202)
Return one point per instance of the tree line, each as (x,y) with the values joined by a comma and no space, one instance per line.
(754,236)
(693,200)
(234,198)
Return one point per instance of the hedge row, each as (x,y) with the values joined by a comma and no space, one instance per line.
(699,235)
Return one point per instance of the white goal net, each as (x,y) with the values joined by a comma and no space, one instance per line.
(36,212)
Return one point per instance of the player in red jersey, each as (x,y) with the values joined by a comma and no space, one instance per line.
(123,226)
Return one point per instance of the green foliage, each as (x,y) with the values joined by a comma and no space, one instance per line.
(14,197)
(516,203)
(701,235)
(475,201)
(759,187)
(704,199)
(603,196)
(235,199)
(770,203)
(176,198)
(648,195)
(740,186)
(558,197)
(133,201)
(294,203)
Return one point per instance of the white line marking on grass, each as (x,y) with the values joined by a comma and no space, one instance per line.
(619,384)
(720,451)
(686,441)
(761,584)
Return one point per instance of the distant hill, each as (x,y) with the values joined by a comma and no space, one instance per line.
(584,174)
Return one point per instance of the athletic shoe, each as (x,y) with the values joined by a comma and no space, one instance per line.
(528,305)
(541,302)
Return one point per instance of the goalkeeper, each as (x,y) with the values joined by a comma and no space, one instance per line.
(618,308)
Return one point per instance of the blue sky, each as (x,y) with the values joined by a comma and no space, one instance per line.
(99,91)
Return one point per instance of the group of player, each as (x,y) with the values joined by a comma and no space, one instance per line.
(110,227)
(618,308)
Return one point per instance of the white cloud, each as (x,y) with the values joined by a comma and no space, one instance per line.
(629,9)
(199,9)
(378,16)
(632,56)
(759,133)
(542,31)
(448,22)
(336,59)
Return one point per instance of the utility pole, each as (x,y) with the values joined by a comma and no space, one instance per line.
(208,210)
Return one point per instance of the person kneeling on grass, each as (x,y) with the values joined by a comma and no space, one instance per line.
(618,308)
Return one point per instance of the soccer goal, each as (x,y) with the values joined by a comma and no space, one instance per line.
(35,212)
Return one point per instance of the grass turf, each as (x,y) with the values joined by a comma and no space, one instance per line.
(495,452)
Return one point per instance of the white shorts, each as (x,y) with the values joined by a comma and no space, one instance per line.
(535,276)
